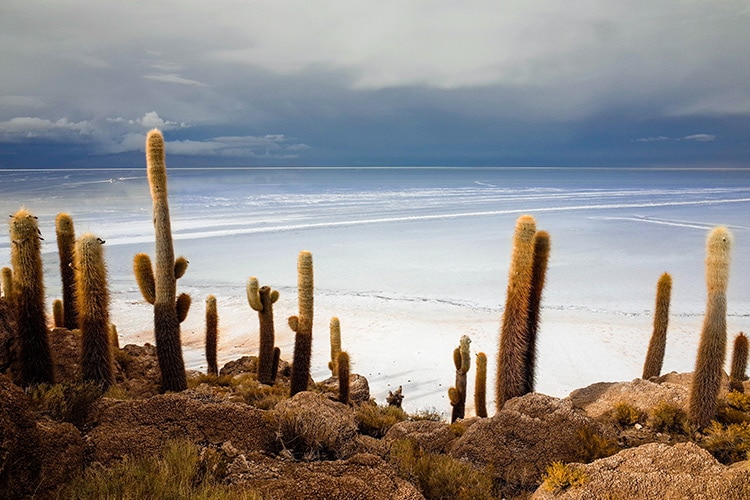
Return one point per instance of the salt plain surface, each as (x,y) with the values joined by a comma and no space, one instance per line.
(411,259)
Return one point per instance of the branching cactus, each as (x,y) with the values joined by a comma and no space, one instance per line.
(66,240)
(342,364)
(335,330)
(709,363)
(538,276)
(212,335)
(92,294)
(457,394)
(302,324)
(514,341)
(262,299)
(6,282)
(28,295)
(658,344)
(58,313)
(480,386)
(160,287)
(739,364)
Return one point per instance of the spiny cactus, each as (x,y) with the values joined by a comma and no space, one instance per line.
(514,342)
(160,288)
(658,343)
(212,335)
(28,297)
(704,389)
(342,364)
(66,239)
(92,294)
(538,276)
(58,313)
(335,332)
(457,394)
(6,282)
(302,324)
(480,386)
(114,338)
(261,299)
(739,363)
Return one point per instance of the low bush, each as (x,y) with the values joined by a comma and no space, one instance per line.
(593,445)
(668,418)
(66,402)
(558,477)
(374,420)
(625,414)
(729,443)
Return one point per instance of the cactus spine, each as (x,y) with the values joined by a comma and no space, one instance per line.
(480,386)
(302,324)
(92,294)
(28,295)
(160,287)
(261,299)
(457,394)
(514,345)
(658,343)
(335,331)
(58,313)
(704,389)
(342,364)
(212,335)
(6,275)
(538,276)
(739,363)
(66,239)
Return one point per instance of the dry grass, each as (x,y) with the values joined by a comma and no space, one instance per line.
(66,402)
(559,477)
(374,420)
(625,414)
(668,418)
(729,443)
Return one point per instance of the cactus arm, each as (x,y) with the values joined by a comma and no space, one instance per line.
(253,294)
(180,266)
(182,306)
(144,275)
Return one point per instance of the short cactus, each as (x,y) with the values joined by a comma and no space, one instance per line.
(28,295)
(342,363)
(709,364)
(335,333)
(302,324)
(92,294)
(658,343)
(457,394)
(66,239)
(262,299)
(480,386)
(58,313)
(212,334)
(739,363)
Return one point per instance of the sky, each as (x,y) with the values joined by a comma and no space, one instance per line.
(353,83)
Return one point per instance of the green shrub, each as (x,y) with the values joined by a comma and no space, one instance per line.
(374,420)
(439,476)
(593,445)
(181,472)
(66,402)
(625,414)
(666,417)
(558,477)
(728,444)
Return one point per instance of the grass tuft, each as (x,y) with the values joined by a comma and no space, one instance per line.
(593,446)
(559,477)
(625,414)
(728,444)
(66,402)
(374,420)
(668,418)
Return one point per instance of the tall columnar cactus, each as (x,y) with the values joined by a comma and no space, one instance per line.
(342,365)
(92,294)
(739,364)
(160,288)
(58,313)
(704,389)
(538,276)
(302,324)
(28,297)
(212,335)
(457,394)
(66,239)
(480,386)
(658,343)
(262,299)
(335,330)
(6,282)
(514,340)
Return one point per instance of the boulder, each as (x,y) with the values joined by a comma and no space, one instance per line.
(658,470)
(359,387)
(249,364)
(433,437)
(65,346)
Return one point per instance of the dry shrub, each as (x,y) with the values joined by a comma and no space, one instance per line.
(728,444)
(66,402)
(669,418)
(593,445)
(374,420)
(738,401)
(625,414)
(261,396)
(558,477)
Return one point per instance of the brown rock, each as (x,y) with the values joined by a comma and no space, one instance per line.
(659,471)
(61,452)
(434,437)
(359,387)
(66,354)
(19,439)
(249,364)
(361,477)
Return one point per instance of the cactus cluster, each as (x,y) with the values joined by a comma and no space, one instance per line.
(262,299)
(457,394)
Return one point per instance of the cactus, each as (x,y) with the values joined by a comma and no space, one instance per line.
(538,275)
(335,329)
(514,343)
(658,343)
(66,239)
(114,338)
(709,363)
(739,364)
(58,313)
(342,363)
(457,394)
(28,296)
(6,282)
(92,294)
(159,288)
(302,324)
(212,335)
(480,386)
(261,299)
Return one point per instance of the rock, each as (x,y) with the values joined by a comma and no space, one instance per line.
(433,437)
(65,346)
(313,427)
(359,387)
(61,453)
(249,364)
(519,441)
(141,427)
(361,477)
(658,471)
